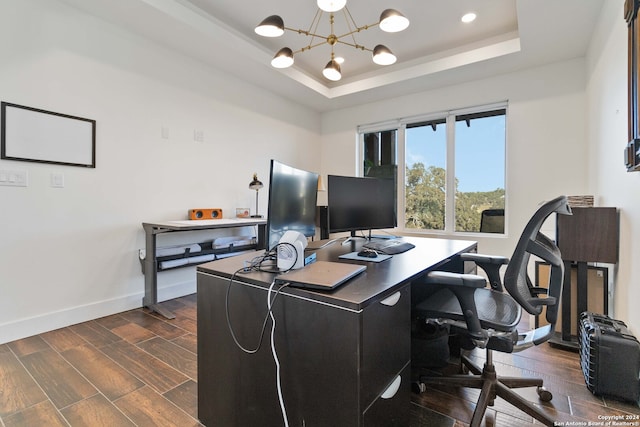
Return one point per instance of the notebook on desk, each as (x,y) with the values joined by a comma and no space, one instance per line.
(321,275)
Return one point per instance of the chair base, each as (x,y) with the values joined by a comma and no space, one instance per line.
(492,386)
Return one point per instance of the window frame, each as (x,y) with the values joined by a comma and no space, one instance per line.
(400,126)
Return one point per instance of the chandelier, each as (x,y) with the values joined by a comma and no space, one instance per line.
(391,21)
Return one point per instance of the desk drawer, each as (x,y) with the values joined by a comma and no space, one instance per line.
(394,409)
(386,342)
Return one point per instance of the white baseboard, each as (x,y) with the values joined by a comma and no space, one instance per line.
(34,325)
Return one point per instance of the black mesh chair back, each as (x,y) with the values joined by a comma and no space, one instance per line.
(533,242)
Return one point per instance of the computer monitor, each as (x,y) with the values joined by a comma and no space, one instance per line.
(359,203)
(293,194)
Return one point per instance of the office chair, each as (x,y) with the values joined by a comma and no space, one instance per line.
(492,221)
(487,317)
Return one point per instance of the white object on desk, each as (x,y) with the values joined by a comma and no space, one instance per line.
(291,250)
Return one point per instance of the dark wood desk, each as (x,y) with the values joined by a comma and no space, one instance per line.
(342,353)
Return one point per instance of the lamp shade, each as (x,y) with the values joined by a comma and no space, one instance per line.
(321,186)
(383,56)
(272,26)
(256,184)
(332,71)
(283,59)
(331,5)
(392,21)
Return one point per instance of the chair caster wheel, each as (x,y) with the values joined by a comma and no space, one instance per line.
(544,394)
(418,387)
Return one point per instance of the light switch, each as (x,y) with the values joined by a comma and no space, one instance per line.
(57,180)
(14,178)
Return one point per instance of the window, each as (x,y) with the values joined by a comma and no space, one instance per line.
(453,169)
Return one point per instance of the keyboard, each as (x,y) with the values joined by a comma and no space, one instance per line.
(390,247)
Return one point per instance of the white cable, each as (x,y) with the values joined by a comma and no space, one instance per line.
(275,356)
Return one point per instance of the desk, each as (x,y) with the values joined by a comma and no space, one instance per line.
(339,351)
(152,229)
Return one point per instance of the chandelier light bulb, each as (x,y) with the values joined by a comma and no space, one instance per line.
(383,56)
(392,21)
(331,5)
(283,59)
(332,71)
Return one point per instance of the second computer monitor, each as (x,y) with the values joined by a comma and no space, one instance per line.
(360,203)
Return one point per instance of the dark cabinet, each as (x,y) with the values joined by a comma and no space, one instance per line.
(339,367)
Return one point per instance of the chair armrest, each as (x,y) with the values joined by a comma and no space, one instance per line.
(490,264)
(537,290)
(456,279)
(463,287)
(485,259)
(543,301)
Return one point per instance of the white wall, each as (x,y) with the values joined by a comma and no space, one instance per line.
(70,254)
(607,136)
(546,154)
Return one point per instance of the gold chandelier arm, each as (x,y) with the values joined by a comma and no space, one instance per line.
(305,32)
(357,30)
(356,45)
(315,23)
(310,46)
(348,17)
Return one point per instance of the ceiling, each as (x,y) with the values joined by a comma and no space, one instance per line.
(436,50)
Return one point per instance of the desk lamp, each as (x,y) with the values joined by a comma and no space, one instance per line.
(256,184)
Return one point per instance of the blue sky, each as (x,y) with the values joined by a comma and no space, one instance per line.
(479,153)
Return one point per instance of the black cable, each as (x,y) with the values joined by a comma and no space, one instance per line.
(256,265)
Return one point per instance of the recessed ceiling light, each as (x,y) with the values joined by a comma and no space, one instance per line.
(468,17)
(339,59)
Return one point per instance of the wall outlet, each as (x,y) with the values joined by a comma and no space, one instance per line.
(198,135)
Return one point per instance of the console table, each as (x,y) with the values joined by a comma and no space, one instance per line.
(152,229)
(345,355)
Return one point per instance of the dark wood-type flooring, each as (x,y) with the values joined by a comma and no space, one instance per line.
(138,369)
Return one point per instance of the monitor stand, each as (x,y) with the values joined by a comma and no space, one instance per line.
(354,237)
(369,237)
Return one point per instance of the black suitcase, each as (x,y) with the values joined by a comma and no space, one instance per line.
(609,357)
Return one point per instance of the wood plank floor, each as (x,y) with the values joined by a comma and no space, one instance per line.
(138,369)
